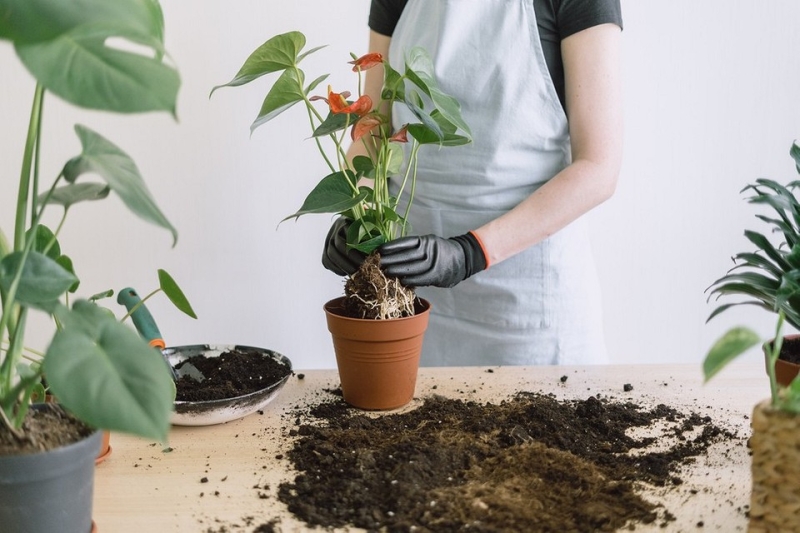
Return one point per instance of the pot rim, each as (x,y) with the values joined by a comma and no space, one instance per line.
(331,306)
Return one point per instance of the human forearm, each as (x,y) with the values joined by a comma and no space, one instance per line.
(594,107)
(573,192)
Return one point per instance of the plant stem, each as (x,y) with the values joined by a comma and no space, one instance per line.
(412,162)
(25,177)
(772,356)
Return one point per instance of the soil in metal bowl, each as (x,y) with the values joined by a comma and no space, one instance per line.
(231,374)
(530,463)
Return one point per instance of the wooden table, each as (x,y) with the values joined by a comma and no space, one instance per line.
(224,478)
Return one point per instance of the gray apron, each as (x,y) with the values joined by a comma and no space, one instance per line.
(541,306)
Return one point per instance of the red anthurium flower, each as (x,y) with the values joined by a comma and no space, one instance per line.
(401,136)
(367,61)
(338,103)
(365,124)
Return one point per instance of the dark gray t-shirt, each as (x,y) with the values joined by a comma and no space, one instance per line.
(556,19)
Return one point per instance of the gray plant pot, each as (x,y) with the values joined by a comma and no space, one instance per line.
(49,491)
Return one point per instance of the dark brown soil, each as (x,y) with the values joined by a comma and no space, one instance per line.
(233,373)
(530,463)
(790,350)
(45,428)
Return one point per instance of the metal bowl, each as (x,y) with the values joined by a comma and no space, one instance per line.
(207,413)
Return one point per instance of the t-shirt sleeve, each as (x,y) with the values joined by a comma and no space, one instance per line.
(384,14)
(573,16)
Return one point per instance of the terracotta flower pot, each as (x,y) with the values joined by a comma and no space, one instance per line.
(377,359)
(105,448)
(785,371)
(775,498)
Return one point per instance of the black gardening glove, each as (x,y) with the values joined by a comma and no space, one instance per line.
(432,260)
(336,256)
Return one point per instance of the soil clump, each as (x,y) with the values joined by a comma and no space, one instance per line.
(231,374)
(46,427)
(790,350)
(529,463)
(369,293)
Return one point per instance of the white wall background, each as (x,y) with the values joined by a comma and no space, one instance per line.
(711,103)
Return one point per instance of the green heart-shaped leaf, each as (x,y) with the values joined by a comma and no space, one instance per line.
(107,160)
(286,92)
(107,375)
(333,194)
(42,279)
(278,53)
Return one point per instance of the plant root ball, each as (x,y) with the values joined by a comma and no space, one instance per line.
(370,294)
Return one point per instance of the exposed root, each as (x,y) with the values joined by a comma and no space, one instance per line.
(370,294)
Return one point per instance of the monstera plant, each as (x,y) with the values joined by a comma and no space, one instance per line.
(99,55)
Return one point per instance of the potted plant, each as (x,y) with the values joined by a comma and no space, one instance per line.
(775,442)
(770,276)
(102,373)
(358,191)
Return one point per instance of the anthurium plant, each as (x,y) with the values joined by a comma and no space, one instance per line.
(98,368)
(358,189)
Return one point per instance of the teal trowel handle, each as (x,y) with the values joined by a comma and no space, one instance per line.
(142,319)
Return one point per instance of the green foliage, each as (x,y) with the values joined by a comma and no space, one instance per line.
(769,278)
(88,53)
(343,190)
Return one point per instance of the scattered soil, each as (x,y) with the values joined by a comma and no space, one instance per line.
(790,350)
(47,427)
(370,294)
(231,374)
(530,463)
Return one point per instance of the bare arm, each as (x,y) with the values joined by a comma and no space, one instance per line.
(594,107)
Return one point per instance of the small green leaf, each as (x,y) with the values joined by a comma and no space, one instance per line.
(286,92)
(394,86)
(278,53)
(107,375)
(425,118)
(42,280)
(309,52)
(424,135)
(369,246)
(66,263)
(107,160)
(363,165)
(101,295)
(794,151)
(333,194)
(394,158)
(313,84)
(45,242)
(77,192)
(334,122)
(733,343)
(174,293)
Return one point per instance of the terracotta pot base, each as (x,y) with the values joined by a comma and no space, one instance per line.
(377,359)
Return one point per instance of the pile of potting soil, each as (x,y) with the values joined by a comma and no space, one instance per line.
(530,463)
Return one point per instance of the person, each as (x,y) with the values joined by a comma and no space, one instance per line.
(499,243)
